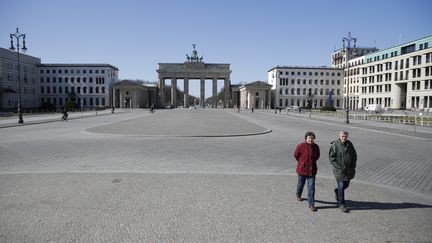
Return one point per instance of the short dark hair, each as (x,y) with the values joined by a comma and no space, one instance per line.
(307,134)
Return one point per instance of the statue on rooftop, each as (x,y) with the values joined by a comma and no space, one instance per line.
(194,57)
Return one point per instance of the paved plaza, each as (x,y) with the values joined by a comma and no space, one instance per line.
(206,175)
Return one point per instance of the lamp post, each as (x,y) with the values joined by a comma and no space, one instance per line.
(348,50)
(18,36)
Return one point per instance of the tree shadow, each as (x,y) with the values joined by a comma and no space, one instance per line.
(366,205)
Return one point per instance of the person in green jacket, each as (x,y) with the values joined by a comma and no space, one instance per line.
(343,158)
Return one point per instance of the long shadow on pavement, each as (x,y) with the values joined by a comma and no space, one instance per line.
(365,205)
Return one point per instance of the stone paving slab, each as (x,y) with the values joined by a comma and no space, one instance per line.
(59,182)
(135,207)
(184,123)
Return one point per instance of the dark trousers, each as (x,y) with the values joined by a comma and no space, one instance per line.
(311,188)
(341,186)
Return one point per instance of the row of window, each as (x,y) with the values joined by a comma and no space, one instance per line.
(99,80)
(417,85)
(86,102)
(54,90)
(60,71)
(374,89)
(309,73)
(285,81)
(24,67)
(404,50)
(308,92)
(398,64)
(398,76)
(383,101)
(427,102)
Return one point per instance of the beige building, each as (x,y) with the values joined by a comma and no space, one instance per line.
(88,85)
(255,95)
(398,77)
(306,86)
(129,94)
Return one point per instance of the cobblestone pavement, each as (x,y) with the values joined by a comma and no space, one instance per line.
(83,180)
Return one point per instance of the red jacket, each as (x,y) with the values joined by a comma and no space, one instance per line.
(307,156)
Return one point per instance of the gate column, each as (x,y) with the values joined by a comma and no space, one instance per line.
(214,92)
(161,92)
(202,93)
(186,93)
(226,93)
(174,92)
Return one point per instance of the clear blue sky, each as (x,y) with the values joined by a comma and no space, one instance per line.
(252,36)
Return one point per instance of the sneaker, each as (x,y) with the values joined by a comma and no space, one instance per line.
(343,209)
(299,199)
(313,208)
(336,195)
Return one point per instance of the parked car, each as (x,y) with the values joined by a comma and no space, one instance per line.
(374,108)
(293,108)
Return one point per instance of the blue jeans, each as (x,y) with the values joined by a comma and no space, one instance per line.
(311,188)
(341,186)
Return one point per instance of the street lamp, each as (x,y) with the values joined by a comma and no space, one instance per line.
(348,51)
(17,36)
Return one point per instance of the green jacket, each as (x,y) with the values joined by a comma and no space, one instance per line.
(343,157)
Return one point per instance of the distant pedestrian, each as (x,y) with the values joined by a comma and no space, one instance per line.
(238,109)
(252,109)
(343,158)
(65,115)
(307,154)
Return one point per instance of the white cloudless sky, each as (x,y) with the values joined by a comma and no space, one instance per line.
(252,36)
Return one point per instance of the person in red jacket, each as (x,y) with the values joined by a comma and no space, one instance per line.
(307,154)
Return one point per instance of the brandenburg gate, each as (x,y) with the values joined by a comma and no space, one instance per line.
(193,68)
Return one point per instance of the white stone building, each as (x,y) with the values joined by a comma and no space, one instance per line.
(304,86)
(398,77)
(88,85)
(9,84)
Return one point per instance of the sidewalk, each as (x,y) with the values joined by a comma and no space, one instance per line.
(423,133)
(52,117)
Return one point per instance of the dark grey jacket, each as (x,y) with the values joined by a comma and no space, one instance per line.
(343,157)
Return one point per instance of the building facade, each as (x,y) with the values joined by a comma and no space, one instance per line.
(9,82)
(398,77)
(129,94)
(254,95)
(88,85)
(338,58)
(306,86)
